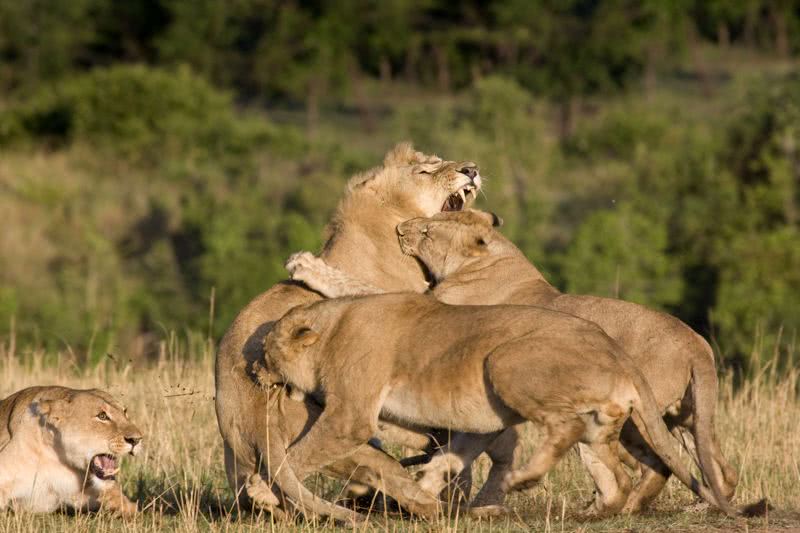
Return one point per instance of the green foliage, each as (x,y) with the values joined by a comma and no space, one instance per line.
(623,254)
(138,112)
(154,151)
(758,289)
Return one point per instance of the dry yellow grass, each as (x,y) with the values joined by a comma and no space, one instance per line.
(180,483)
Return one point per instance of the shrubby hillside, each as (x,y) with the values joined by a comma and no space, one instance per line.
(154,174)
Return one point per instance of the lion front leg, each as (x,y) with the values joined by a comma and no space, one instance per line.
(371,467)
(112,499)
(326,280)
(335,435)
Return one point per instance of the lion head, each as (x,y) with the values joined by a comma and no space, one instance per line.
(287,350)
(419,183)
(89,429)
(444,242)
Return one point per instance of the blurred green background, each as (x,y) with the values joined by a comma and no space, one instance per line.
(158,155)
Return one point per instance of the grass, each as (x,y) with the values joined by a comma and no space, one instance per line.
(180,482)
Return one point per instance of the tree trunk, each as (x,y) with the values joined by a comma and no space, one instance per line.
(779,26)
(723,35)
(750,21)
(653,54)
(412,56)
(568,112)
(362,100)
(699,61)
(385,70)
(443,70)
(312,106)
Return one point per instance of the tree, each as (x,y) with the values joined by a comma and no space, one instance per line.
(623,254)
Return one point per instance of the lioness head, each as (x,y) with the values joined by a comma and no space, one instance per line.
(444,242)
(416,182)
(89,430)
(287,350)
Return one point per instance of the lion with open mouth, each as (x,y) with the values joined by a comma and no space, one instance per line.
(61,448)
(361,241)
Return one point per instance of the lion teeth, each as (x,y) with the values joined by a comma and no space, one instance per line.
(463,195)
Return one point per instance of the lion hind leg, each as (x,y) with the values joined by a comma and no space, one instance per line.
(655,472)
(561,436)
(502,452)
(613,490)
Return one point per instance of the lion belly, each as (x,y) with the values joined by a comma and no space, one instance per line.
(475,411)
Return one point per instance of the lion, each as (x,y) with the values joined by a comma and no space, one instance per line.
(60,448)
(472,263)
(362,242)
(412,359)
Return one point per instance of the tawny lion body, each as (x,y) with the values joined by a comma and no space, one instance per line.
(677,363)
(59,448)
(362,243)
(412,359)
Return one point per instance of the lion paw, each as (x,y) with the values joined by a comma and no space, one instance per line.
(259,493)
(489,511)
(114,501)
(515,481)
(303,266)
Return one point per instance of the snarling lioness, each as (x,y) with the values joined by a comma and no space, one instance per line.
(410,358)
(60,448)
(362,243)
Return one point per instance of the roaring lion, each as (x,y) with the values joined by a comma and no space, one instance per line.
(412,359)
(60,448)
(473,264)
(361,242)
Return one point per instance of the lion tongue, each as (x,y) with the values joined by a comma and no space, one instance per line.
(106,464)
(454,202)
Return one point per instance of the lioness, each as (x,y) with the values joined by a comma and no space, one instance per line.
(60,448)
(411,358)
(473,263)
(361,242)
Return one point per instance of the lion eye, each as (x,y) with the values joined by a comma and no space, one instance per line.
(424,231)
(102,416)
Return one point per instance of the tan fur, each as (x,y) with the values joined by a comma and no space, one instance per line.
(285,421)
(362,242)
(475,264)
(48,438)
(414,360)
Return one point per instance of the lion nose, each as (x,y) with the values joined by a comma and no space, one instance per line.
(133,441)
(470,172)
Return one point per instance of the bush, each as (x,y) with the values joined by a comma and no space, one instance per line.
(137,112)
(622,254)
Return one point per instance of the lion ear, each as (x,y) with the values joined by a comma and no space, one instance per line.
(479,247)
(304,335)
(401,155)
(44,409)
(489,217)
